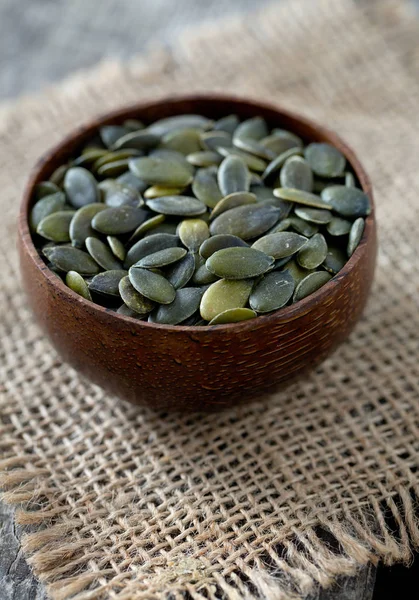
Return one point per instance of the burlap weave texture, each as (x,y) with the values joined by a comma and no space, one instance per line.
(258,502)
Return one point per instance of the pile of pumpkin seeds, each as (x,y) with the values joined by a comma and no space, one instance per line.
(193,221)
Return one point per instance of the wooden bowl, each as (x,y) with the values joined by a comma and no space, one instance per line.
(176,367)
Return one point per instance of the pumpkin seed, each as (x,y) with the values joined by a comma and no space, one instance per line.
(181,272)
(203,277)
(117,247)
(121,219)
(160,171)
(76,283)
(139,140)
(355,235)
(111,157)
(311,284)
(127,312)
(296,271)
(280,245)
(228,124)
(80,225)
(347,201)
(301,197)
(282,140)
(238,263)
(224,295)
(80,187)
(192,233)
(102,254)
(172,156)
(149,245)
(277,163)
(282,225)
(182,206)
(338,226)
(133,124)
(313,215)
(335,260)
(233,176)
(56,226)
(185,304)
(107,283)
(218,242)
(67,258)
(205,187)
(58,175)
(272,292)
(162,258)
(254,128)
(157,191)
(133,299)
(234,315)
(148,225)
(349,179)
(163,126)
(119,195)
(232,201)
(252,162)
(325,160)
(45,188)
(114,168)
(47,205)
(152,285)
(296,173)
(109,134)
(252,147)
(128,179)
(313,253)
(212,140)
(185,141)
(166,227)
(89,157)
(204,158)
(246,221)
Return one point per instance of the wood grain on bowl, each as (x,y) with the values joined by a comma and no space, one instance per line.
(196,368)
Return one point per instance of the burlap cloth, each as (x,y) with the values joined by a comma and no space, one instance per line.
(264,501)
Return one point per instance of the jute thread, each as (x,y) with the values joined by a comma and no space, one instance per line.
(265,501)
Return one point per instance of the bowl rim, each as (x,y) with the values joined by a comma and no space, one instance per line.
(282,315)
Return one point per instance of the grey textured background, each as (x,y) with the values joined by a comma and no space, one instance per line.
(42,41)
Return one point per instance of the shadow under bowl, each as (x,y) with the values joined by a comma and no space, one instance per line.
(195,368)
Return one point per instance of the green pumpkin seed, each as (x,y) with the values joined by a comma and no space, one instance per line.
(184,306)
(204,158)
(107,283)
(246,222)
(121,195)
(117,247)
(80,225)
(149,245)
(182,206)
(280,245)
(338,226)
(281,140)
(272,292)
(58,175)
(203,277)
(212,140)
(296,271)
(303,227)
(228,124)
(162,258)
(80,187)
(311,284)
(160,171)
(167,227)
(252,162)
(234,315)
(335,260)
(355,235)
(218,242)
(46,206)
(224,295)
(76,283)
(114,168)
(152,285)
(325,160)
(313,253)
(350,179)
(255,148)
(138,140)
(109,134)
(133,124)
(232,201)
(205,187)
(163,126)
(185,141)
(157,191)
(238,263)
(56,226)
(192,233)
(128,179)
(115,221)
(148,225)
(347,201)
(282,225)
(127,312)
(181,272)
(89,157)
(45,188)
(102,254)
(112,157)
(296,173)
(254,128)
(233,176)
(277,163)
(172,156)
(133,299)
(301,197)
(67,258)
(313,215)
